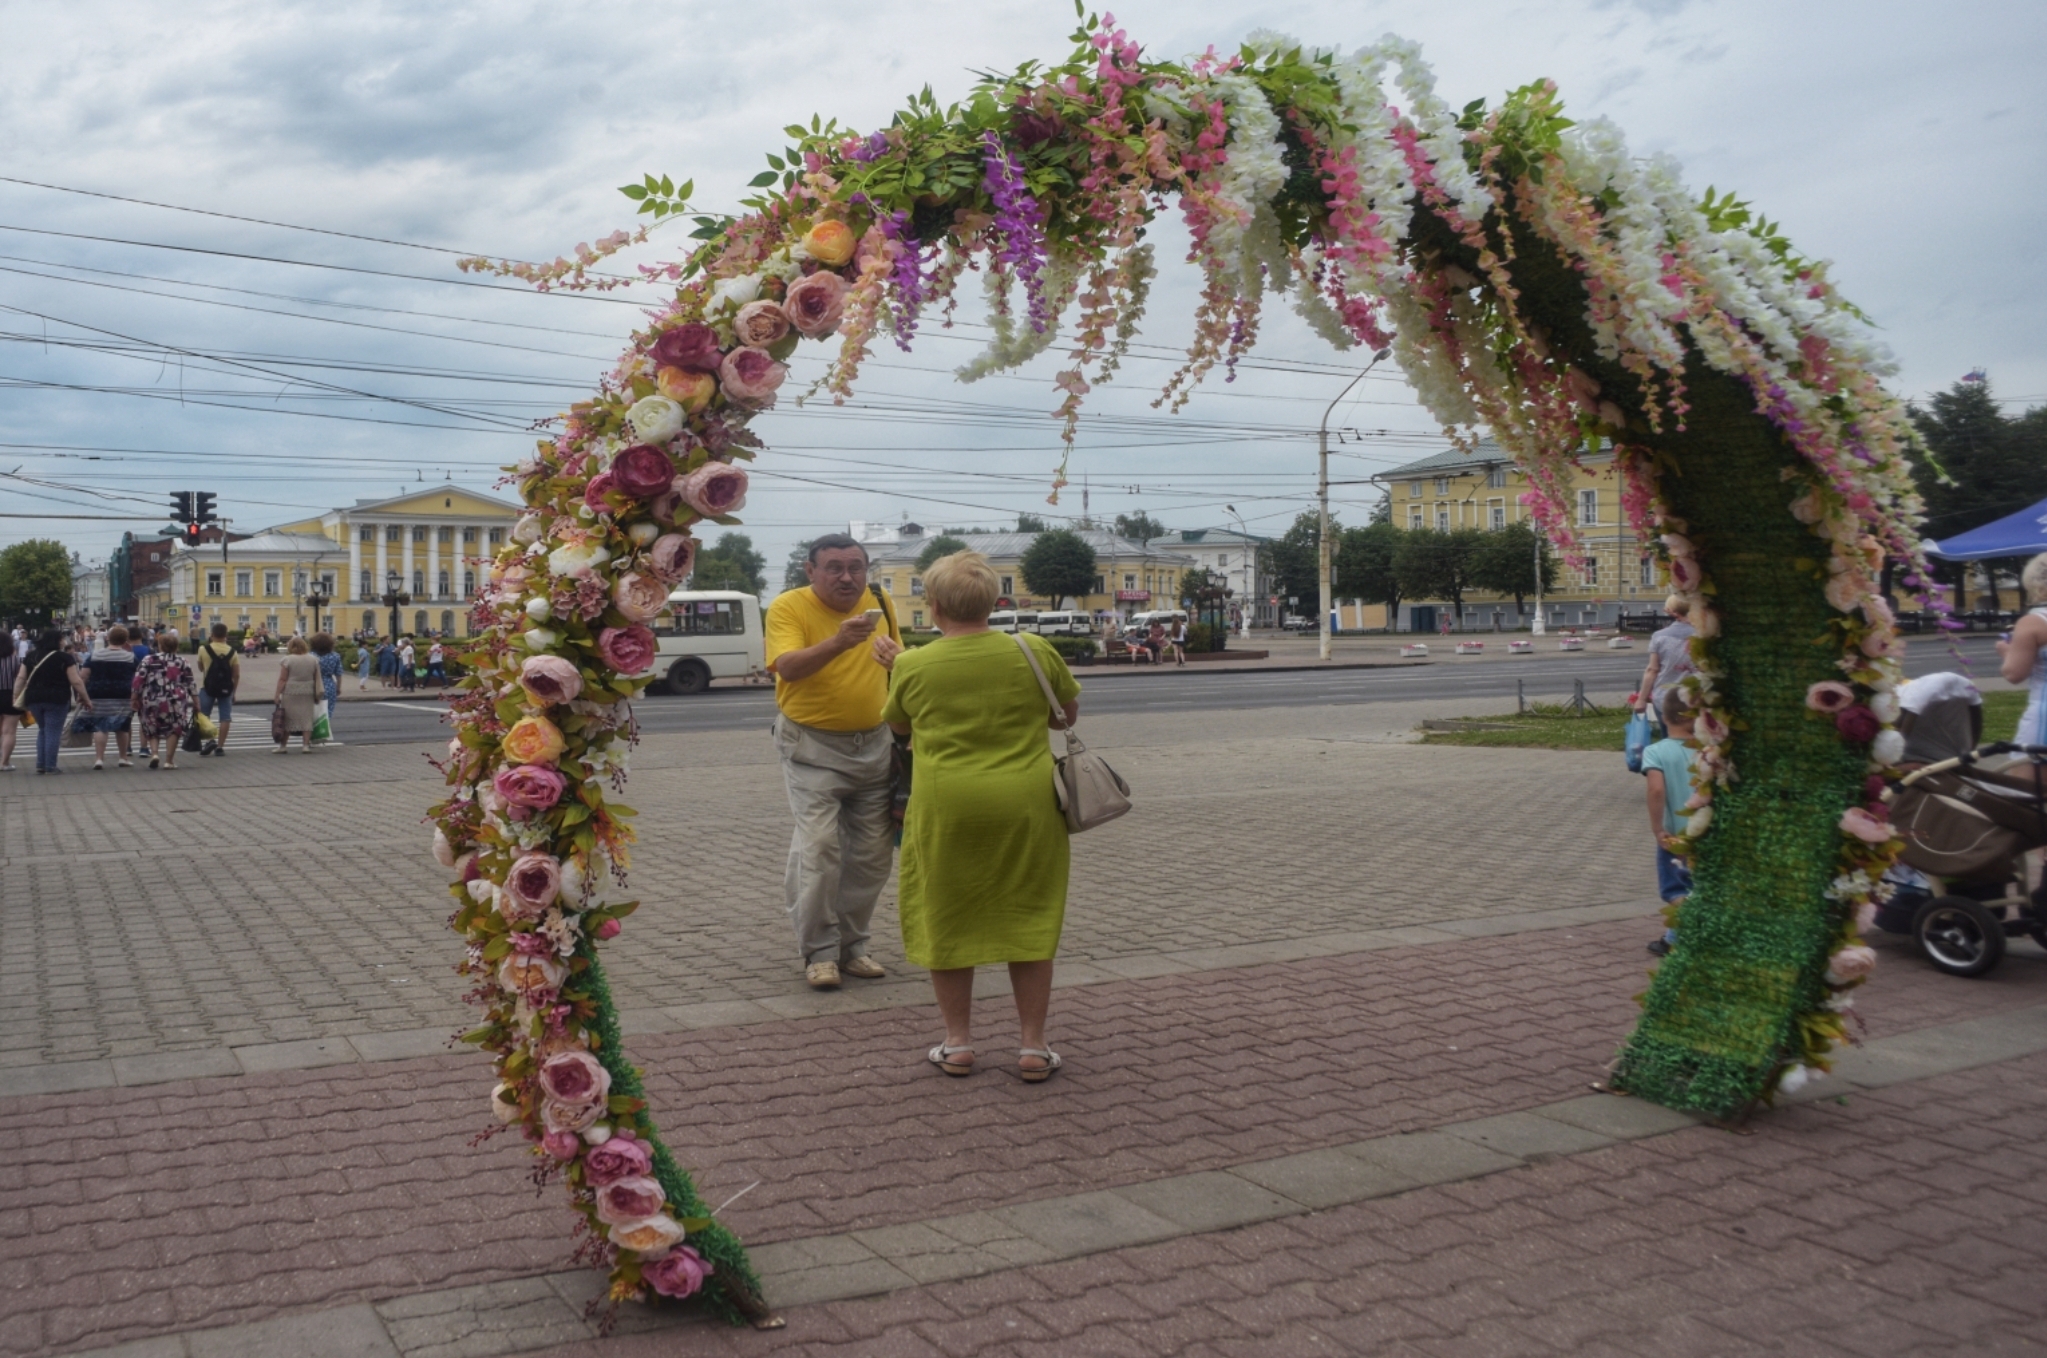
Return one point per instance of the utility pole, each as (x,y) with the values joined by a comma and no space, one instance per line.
(1324,554)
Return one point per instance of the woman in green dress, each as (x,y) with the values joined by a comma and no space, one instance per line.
(983,876)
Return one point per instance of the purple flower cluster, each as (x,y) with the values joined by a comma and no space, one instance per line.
(873,148)
(1020,223)
(907,278)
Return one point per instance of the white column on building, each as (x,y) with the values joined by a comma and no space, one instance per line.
(406,557)
(354,580)
(433,561)
(383,558)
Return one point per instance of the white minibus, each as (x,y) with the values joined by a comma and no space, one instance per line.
(707,634)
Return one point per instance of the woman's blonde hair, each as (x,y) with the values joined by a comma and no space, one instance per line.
(1677,606)
(296,646)
(2034,579)
(166,641)
(962,586)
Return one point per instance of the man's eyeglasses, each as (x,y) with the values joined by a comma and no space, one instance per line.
(840,570)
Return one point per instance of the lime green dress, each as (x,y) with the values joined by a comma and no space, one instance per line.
(983,876)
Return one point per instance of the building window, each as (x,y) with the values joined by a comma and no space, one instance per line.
(369,621)
(1591,572)
(497,535)
(419,622)
(367,533)
(419,589)
(469,535)
(1414,519)
(1008,586)
(916,585)
(1499,516)
(447,622)
(1442,485)
(1442,520)
(1648,571)
(1130,582)
(1496,478)
(1588,507)
(419,533)
(156,556)
(272,584)
(1222,561)
(468,584)
(366,587)
(392,533)
(916,619)
(442,592)
(327,583)
(1414,490)
(888,584)
(243,587)
(444,535)
(213,586)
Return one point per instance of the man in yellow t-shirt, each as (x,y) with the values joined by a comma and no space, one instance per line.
(830,646)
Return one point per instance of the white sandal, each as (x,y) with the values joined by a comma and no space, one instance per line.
(1052,1063)
(938,1054)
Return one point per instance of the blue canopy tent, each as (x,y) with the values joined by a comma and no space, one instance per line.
(2020,534)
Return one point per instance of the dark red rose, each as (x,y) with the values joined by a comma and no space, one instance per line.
(600,485)
(693,347)
(642,471)
(1858,724)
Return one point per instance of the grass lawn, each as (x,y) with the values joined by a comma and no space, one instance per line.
(1547,727)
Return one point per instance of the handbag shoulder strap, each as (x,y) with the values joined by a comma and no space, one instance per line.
(1058,715)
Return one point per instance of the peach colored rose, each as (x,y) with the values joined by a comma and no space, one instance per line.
(690,390)
(640,597)
(815,303)
(533,740)
(524,972)
(1850,964)
(1847,590)
(760,324)
(1859,824)
(557,1116)
(830,243)
(650,1237)
(550,680)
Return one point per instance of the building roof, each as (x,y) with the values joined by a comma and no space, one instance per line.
(1008,546)
(272,544)
(1203,537)
(386,502)
(1450,462)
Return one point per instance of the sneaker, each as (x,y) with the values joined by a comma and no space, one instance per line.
(1659,948)
(822,975)
(864,967)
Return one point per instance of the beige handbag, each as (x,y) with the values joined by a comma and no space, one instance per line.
(1090,792)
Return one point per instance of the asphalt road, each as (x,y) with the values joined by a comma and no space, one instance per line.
(1548,678)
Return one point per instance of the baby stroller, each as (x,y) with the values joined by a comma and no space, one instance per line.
(1968,878)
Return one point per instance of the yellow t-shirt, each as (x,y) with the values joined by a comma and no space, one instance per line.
(848,693)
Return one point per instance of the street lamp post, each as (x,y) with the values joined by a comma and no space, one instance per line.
(317,600)
(1324,556)
(394,599)
(1247,562)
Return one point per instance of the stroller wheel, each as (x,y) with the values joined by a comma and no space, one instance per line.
(1959,935)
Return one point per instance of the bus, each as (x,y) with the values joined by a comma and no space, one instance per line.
(706,634)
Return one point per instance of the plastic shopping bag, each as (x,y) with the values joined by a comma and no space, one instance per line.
(322,730)
(1636,739)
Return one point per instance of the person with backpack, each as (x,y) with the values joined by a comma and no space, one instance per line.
(220,671)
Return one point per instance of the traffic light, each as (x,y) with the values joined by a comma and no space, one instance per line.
(202,508)
(194,535)
(181,506)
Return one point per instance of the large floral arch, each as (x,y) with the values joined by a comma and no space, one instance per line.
(1531,277)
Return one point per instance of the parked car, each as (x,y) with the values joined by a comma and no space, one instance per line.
(1009,620)
(1066,624)
(707,634)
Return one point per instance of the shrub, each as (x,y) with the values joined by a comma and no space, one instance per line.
(1074,648)
(1203,636)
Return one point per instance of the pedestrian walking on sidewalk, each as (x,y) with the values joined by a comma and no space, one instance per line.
(10,715)
(1178,641)
(365,657)
(220,677)
(437,663)
(830,647)
(322,645)
(110,683)
(387,662)
(407,679)
(166,696)
(984,843)
(1667,768)
(51,680)
(298,693)
(1670,658)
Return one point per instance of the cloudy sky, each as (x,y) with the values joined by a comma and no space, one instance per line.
(149,350)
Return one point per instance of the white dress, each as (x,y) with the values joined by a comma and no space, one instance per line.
(2033,725)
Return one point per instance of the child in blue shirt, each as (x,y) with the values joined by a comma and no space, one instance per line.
(1667,768)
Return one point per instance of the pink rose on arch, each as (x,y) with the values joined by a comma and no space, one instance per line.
(561,1145)
(749,377)
(1847,590)
(557,1116)
(533,883)
(1685,574)
(610,929)
(642,471)
(714,489)
(1858,724)
(664,507)
(550,680)
(1878,643)
(650,1237)
(535,786)
(1859,824)
(1850,964)
(693,347)
(671,556)
(595,494)
(628,650)
(640,597)
(1711,729)
(618,1158)
(1878,610)
(815,303)
(680,1273)
(760,324)
(632,1199)
(526,972)
(1829,695)
(575,1077)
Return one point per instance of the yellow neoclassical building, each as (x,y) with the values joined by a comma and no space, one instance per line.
(433,544)
(1481,488)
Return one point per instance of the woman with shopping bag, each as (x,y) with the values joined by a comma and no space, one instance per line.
(49,683)
(985,852)
(166,700)
(298,695)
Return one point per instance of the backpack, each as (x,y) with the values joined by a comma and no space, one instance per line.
(220,672)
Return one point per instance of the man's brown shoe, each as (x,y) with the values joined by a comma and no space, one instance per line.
(863,966)
(822,975)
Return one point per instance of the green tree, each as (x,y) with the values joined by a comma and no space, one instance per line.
(1139,527)
(1058,565)
(1505,562)
(35,580)
(793,574)
(1295,570)
(945,544)
(1437,565)
(1364,565)
(730,563)
(1029,523)
(1998,464)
